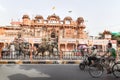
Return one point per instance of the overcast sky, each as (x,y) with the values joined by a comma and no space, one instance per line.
(98,14)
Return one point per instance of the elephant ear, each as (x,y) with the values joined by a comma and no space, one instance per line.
(27,45)
(51,47)
(22,46)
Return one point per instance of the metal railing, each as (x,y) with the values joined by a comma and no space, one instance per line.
(56,55)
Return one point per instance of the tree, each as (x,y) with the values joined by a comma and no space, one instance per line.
(101,36)
(116,37)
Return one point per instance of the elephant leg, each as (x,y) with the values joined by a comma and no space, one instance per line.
(24,54)
(42,54)
(49,54)
(36,54)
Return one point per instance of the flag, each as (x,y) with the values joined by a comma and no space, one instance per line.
(53,8)
(69,11)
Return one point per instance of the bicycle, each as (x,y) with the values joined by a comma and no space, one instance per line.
(85,63)
(96,70)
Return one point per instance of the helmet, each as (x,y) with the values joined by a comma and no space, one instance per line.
(94,47)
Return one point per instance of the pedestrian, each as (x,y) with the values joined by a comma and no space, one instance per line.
(61,54)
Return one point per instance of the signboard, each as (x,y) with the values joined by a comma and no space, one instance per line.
(67,40)
(80,41)
(71,41)
(36,40)
(33,40)
(98,42)
(83,41)
(63,40)
(108,36)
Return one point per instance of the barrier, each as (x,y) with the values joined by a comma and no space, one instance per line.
(68,57)
(39,62)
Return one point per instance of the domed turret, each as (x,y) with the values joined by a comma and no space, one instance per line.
(68,18)
(106,32)
(25,17)
(53,16)
(39,17)
(80,20)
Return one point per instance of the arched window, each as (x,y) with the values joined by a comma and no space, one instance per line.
(45,22)
(67,22)
(52,21)
(61,22)
(53,35)
(39,21)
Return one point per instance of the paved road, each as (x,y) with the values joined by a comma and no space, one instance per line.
(47,72)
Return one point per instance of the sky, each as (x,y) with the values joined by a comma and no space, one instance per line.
(99,15)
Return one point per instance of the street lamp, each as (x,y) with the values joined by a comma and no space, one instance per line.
(92,37)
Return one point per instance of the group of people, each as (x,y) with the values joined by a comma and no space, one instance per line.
(110,54)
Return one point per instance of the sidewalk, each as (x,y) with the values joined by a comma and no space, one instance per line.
(40,61)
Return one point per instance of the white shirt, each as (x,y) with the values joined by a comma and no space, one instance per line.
(12,47)
(94,53)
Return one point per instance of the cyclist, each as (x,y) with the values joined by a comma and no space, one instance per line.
(92,56)
(118,51)
(111,55)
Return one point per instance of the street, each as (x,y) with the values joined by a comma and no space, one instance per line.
(47,72)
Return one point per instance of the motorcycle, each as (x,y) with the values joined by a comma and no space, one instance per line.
(84,63)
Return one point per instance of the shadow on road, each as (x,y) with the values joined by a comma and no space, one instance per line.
(24,77)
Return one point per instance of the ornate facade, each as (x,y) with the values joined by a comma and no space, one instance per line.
(67,31)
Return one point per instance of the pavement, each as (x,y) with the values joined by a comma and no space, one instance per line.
(40,61)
